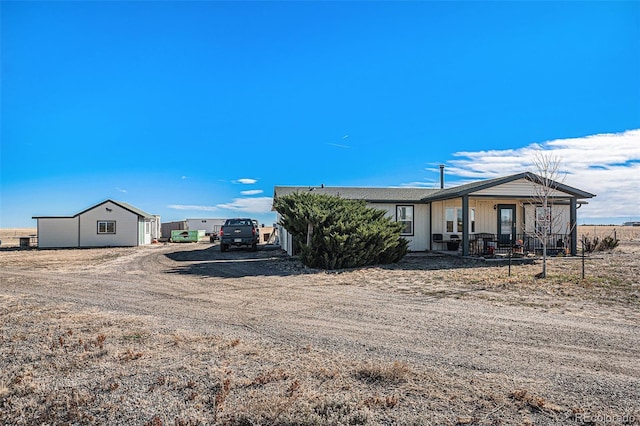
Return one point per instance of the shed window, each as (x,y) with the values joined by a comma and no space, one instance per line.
(404,214)
(106,227)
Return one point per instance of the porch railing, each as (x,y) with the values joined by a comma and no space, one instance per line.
(483,244)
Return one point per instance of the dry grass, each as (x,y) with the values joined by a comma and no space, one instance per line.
(90,360)
(622,233)
(10,237)
(64,366)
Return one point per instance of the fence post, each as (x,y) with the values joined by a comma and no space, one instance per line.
(583,258)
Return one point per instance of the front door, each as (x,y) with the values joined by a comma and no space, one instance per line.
(506,224)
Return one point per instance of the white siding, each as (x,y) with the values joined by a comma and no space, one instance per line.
(419,241)
(286,239)
(520,188)
(144,232)
(485,214)
(155,227)
(58,232)
(561,219)
(208,225)
(126,227)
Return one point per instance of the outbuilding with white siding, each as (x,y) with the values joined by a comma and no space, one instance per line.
(107,224)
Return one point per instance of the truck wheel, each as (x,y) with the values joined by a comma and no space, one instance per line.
(223,247)
(254,247)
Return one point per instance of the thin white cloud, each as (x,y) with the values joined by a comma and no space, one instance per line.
(121,190)
(338,145)
(192,207)
(345,136)
(183,177)
(252,192)
(249,205)
(607,165)
(246,181)
(421,184)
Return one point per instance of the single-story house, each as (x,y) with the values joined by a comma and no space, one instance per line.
(474,218)
(107,224)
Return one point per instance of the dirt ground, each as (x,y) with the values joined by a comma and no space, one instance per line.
(185,334)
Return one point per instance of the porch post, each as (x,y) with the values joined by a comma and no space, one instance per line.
(465,225)
(430,236)
(573,222)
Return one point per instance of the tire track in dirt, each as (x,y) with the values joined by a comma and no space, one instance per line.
(262,297)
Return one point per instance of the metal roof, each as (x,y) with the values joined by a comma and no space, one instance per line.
(129,207)
(472,187)
(132,209)
(379,195)
(422,195)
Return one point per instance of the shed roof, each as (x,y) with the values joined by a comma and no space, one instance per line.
(126,206)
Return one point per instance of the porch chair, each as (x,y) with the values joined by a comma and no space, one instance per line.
(437,239)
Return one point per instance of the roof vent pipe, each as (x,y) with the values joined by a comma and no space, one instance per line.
(441,176)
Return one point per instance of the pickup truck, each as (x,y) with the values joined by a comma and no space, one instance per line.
(239,232)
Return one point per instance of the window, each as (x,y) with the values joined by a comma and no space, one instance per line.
(472,220)
(106,227)
(543,220)
(404,215)
(450,214)
(453,219)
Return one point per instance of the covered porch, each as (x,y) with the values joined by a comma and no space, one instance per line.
(503,216)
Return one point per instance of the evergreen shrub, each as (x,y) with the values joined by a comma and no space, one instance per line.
(330,232)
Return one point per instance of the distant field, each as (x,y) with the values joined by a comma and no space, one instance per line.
(622,233)
(11,236)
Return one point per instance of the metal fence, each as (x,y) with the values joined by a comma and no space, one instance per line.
(490,244)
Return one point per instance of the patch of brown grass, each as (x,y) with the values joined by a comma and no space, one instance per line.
(534,402)
(383,373)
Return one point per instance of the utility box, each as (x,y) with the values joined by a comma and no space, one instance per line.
(187,236)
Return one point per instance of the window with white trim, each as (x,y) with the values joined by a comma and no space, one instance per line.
(453,219)
(404,214)
(472,220)
(543,220)
(106,227)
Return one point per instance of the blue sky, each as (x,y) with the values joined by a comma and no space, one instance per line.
(198,109)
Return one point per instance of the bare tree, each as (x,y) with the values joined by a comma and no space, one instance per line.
(545,184)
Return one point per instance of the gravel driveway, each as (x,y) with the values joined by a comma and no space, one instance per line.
(258,338)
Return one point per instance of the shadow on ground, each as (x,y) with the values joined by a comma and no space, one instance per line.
(272,261)
(237,262)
